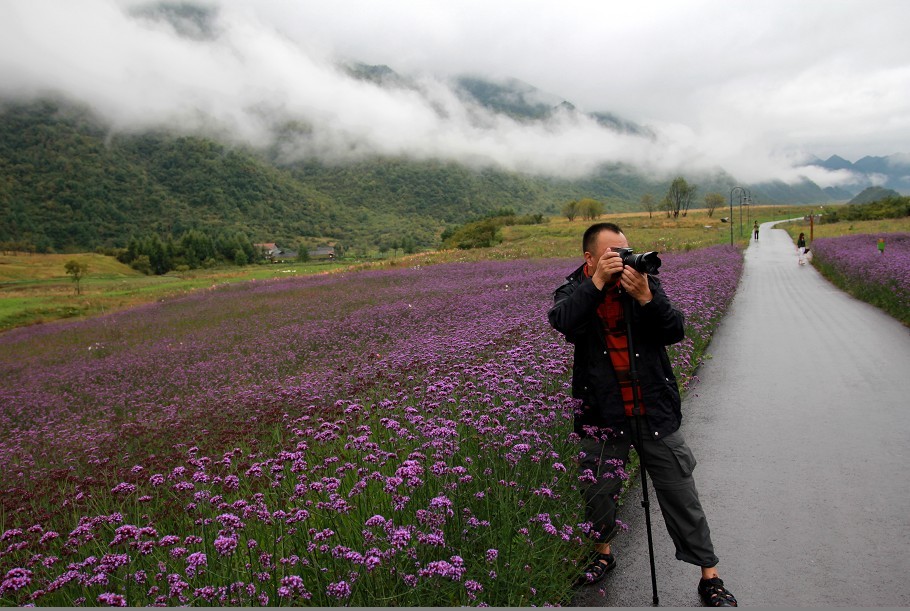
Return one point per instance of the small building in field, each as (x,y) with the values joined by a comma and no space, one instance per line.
(273,253)
(323,252)
(269,250)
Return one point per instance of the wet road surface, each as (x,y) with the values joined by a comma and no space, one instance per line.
(801,426)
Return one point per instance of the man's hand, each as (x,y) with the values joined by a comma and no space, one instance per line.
(607,270)
(636,284)
(610,268)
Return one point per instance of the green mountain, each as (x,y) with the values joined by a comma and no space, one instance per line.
(524,102)
(68,182)
(65,184)
(874,194)
(513,98)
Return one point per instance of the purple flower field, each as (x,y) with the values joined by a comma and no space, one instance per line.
(382,438)
(854,263)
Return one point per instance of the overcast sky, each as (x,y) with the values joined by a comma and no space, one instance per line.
(752,87)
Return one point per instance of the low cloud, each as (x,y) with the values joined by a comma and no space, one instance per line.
(828,178)
(237,69)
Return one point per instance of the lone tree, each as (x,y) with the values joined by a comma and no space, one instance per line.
(648,203)
(590,209)
(679,197)
(712,201)
(77,270)
(570,210)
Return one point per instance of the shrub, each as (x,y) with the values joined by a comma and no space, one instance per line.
(142,264)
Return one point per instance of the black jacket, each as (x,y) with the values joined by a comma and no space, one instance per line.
(654,326)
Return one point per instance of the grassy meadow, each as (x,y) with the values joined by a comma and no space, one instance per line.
(851,228)
(35,288)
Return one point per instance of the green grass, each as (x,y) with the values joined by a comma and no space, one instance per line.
(560,237)
(35,288)
(29,268)
(834,230)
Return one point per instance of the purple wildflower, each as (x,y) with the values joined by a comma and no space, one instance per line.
(123,488)
(15,579)
(112,600)
(196,563)
(292,586)
(340,590)
(226,545)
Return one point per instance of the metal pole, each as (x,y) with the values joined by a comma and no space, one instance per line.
(741,192)
(740,215)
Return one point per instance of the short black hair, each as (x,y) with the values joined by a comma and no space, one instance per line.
(593,231)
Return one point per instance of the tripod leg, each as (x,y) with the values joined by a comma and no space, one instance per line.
(646,504)
(640,422)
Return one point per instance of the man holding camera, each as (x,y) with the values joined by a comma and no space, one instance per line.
(590,309)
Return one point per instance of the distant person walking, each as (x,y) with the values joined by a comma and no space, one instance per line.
(881,246)
(755,230)
(801,248)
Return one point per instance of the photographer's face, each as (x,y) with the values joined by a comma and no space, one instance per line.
(603,242)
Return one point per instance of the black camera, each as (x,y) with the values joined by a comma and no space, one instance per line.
(642,262)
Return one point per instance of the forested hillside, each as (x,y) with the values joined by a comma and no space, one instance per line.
(68,182)
(65,185)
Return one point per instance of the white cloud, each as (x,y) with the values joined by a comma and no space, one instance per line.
(826,178)
(747,87)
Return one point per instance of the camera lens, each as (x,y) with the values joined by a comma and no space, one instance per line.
(645,263)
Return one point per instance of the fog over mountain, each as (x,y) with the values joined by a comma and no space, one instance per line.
(349,79)
(889,172)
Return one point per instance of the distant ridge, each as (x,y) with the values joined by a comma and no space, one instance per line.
(889,172)
(873,194)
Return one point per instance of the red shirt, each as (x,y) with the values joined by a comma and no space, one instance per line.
(613,321)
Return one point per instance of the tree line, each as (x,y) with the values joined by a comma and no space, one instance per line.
(150,254)
(487,231)
(676,202)
(891,207)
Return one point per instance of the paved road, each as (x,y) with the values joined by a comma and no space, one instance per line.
(801,426)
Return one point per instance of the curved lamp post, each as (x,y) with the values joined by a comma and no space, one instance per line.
(742,193)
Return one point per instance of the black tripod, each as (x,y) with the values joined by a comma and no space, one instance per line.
(640,422)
